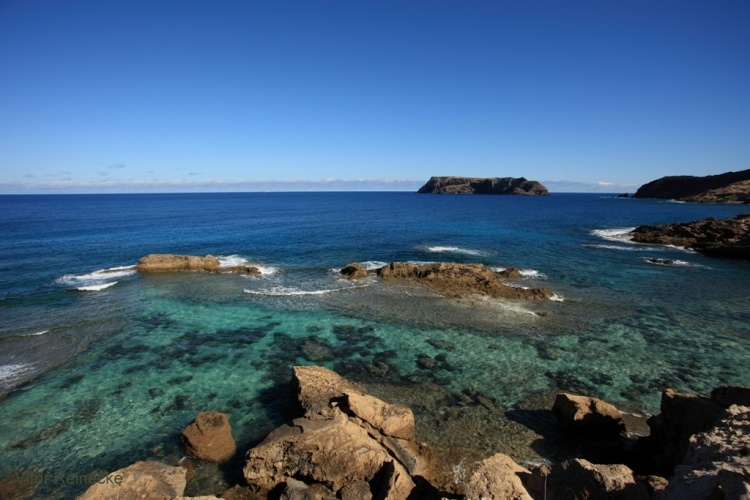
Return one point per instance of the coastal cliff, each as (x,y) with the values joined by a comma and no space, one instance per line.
(478,185)
(730,187)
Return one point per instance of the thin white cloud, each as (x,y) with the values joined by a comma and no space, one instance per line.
(605,184)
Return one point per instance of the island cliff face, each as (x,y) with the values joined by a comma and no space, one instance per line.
(478,185)
(730,187)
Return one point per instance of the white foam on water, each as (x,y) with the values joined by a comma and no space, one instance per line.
(100,278)
(451,249)
(34,334)
(557,298)
(11,373)
(633,248)
(283,291)
(619,234)
(671,263)
(526,273)
(238,260)
(266,270)
(96,288)
(372,265)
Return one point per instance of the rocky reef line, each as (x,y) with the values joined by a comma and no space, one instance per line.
(478,185)
(341,443)
(714,237)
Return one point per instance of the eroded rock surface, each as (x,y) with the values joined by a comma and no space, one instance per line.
(209,437)
(147,479)
(463,279)
(589,416)
(166,263)
(715,237)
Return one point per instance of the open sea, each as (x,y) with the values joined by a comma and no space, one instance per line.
(101,367)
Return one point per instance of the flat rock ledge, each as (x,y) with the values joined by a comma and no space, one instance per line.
(714,237)
(342,443)
(462,279)
(170,263)
(479,185)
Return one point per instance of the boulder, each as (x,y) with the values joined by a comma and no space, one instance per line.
(167,263)
(498,477)
(717,462)
(209,437)
(389,419)
(588,416)
(461,279)
(355,270)
(147,479)
(334,452)
(298,490)
(314,388)
(479,185)
(579,478)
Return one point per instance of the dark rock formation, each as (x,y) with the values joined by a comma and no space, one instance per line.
(210,437)
(355,270)
(578,478)
(463,279)
(715,237)
(730,187)
(478,185)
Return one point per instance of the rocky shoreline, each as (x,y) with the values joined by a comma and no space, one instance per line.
(478,185)
(341,442)
(713,237)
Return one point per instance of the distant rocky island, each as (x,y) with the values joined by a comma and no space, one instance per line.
(730,187)
(479,185)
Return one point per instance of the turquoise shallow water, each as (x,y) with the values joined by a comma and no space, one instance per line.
(122,368)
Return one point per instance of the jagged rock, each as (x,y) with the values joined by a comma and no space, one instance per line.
(209,437)
(461,279)
(391,420)
(497,477)
(588,416)
(478,185)
(730,187)
(166,263)
(250,270)
(141,480)
(333,452)
(682,415)
(315,387)
(238,492)
(717,463)
(717,238)
(357,490)
(355,270)
(579,478)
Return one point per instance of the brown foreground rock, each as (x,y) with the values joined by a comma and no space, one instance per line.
(463,279)
(590,416)
(578,478)
(714,237)
(717,463)
(141,480)
(209,437)
(355,270)
(498,477)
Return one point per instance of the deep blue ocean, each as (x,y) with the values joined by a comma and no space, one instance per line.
(101,367)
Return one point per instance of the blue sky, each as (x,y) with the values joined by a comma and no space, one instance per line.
(149,95)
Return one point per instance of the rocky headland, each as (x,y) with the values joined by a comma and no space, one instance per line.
(478,185)
(342,443)
(730,187)
(170,263)
(454,278)
(714,237)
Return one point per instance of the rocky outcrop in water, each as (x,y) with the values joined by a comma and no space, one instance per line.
(355,270)
(170,263)
(589,416)
(209,437)
(714,237)
(730,187)
(478,185)
(463,279)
